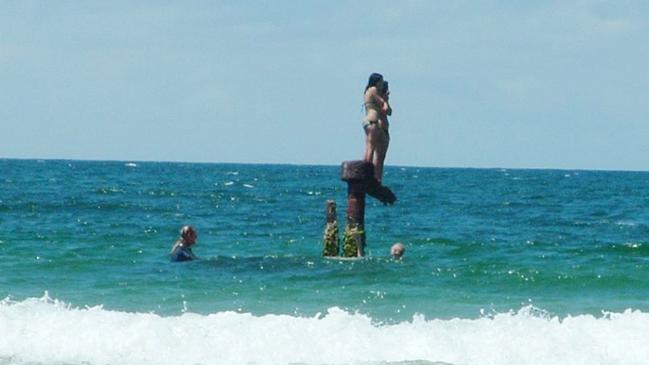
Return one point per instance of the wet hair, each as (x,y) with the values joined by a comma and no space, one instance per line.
(397,250)
(374,80)
(186,230)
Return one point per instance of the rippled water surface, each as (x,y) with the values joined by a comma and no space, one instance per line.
(481,243)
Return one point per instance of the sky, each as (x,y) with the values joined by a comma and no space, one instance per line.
(487,84)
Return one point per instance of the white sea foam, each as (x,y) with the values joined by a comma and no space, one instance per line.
(626,223)
(45,331)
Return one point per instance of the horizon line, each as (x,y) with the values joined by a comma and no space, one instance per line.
(320,164)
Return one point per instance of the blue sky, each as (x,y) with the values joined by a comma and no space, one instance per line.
(474,83)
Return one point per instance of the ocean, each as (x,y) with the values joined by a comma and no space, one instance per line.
(502,266)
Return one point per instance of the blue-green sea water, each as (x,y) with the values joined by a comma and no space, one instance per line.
(501,266)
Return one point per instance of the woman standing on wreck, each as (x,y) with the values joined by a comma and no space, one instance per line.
(375,123)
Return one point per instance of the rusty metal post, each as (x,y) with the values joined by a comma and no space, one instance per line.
(357,174)
(331,240)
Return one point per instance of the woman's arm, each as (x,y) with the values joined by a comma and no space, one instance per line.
(375,97)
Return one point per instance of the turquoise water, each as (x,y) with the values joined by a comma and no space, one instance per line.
(558,259)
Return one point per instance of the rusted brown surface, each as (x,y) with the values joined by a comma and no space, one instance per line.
(359,176)
(380,192)
(354,240)
(356,203)
(361,171)
(356,171)
(356,174)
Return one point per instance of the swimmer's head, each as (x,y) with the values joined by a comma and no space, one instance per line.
(397,250)
(188,235)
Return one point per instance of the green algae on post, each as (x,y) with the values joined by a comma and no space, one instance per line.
(331,240)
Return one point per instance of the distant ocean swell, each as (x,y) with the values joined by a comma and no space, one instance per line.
(47,331)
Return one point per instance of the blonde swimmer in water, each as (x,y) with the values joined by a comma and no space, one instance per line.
(397,250)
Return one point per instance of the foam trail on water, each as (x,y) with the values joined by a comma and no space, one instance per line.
(46,331)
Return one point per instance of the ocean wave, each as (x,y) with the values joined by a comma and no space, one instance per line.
(47,331)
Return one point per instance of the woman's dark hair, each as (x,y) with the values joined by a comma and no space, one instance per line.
(375,78)
(385,87)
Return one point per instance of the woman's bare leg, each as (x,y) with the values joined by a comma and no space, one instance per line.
(379,154)
(370,143)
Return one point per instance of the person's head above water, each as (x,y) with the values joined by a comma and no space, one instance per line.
(397,250)
(188,235)
(376,80)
